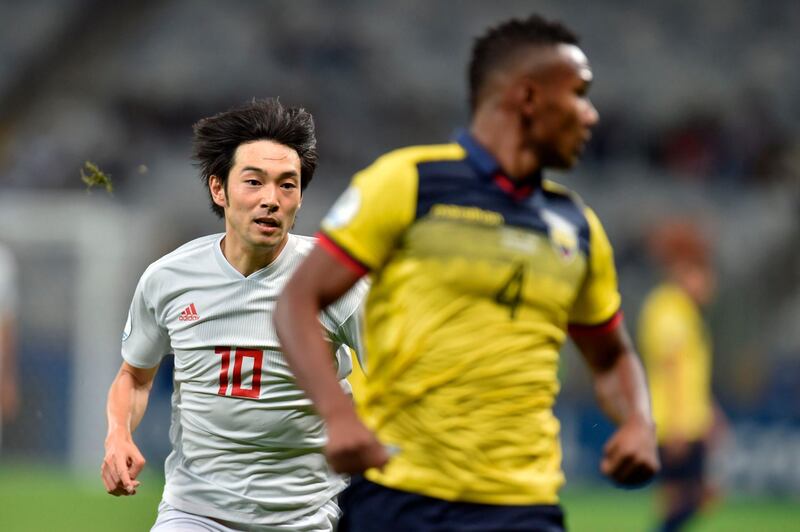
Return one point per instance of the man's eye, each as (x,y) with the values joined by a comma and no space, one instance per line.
(254,182)
(289,185)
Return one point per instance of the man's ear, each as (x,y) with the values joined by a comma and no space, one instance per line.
(217,190)
(527,96)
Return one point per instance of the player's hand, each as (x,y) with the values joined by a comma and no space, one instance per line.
(630,457)
(121,465)
(352,448)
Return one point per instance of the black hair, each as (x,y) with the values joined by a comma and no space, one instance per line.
(492,49)
(217,137)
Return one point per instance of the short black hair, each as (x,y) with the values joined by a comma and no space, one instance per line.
(491,50)
(217,137)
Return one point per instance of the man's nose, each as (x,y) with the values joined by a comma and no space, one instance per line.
(269,197)
(590,115)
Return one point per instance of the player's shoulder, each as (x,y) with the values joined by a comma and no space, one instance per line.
(571,204)
(669,293)
(667,298)
(189,254)
(411,156)
(558,192)
(300,244)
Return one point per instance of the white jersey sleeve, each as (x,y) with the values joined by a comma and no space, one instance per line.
(144,340)
(343,320)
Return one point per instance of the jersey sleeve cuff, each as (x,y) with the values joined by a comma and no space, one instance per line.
(577,329)
(142,364)
(335,250)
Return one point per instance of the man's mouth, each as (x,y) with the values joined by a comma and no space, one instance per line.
(267,222)
(584,140)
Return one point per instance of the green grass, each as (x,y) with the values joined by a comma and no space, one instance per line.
(42,499)
(605,509)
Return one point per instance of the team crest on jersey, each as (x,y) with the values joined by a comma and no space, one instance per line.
(563,235)
(344,210)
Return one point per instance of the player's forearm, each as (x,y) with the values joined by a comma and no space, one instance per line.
(307,352)
(621,389)
(618,375)
(127,403)
(8,348)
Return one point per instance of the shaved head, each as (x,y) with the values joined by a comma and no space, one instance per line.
(536,62)
(513,47)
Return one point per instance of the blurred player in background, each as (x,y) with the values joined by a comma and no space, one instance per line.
(676,347)
(480,269)
(9,390)
(247,444)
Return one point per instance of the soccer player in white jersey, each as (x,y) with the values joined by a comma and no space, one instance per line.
(247,445)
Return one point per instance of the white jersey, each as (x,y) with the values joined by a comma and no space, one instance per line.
(247,446)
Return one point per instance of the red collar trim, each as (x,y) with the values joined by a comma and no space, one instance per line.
(518,191)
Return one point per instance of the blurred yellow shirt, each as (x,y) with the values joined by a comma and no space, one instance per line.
(473,288)
(676,348)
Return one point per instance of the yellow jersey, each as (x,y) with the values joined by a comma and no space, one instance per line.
(676,349)
(475,280)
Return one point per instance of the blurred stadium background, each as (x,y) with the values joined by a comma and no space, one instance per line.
(699,117)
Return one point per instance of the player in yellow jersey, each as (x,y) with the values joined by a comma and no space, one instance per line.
(676,348)
(480,268)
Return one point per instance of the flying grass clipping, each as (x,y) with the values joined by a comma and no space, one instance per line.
(94,177)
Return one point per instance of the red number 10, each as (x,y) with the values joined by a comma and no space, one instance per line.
(238,358)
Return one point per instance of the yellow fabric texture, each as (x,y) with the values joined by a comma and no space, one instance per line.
(463,326)
(676,349)
(357,377)
(599,299)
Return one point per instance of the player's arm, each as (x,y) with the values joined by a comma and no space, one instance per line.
(630,455)
(127,402)
(320,280)
(9,400)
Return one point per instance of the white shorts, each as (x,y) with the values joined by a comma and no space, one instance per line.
(171,519)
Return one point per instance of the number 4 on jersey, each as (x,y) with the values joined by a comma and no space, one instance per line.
(510,293)
(238,359)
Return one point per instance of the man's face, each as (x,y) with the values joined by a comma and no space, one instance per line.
(562,117)
(697,279)
(262,196)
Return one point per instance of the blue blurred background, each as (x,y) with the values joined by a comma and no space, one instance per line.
(699,116)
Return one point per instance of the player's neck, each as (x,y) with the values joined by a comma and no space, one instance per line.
(495,132)
(247,259)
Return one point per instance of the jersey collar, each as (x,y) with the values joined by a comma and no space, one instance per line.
(488,167)
(233,273)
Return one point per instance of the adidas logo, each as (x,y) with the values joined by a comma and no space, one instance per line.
(189,314)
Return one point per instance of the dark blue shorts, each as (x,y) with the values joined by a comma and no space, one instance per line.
(690,467)
(370,507)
